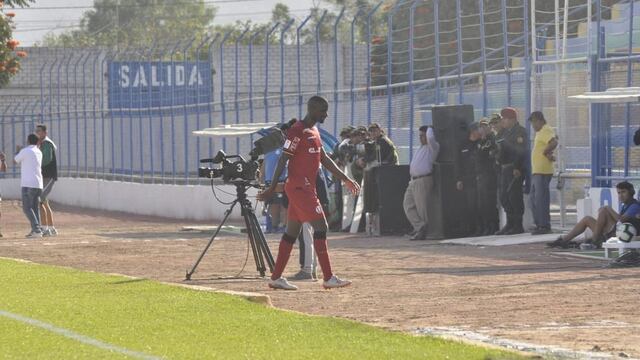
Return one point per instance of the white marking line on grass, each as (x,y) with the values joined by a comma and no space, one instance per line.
(75,336)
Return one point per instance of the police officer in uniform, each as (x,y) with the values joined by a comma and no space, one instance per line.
(466,180)
(486,176)
(512,157)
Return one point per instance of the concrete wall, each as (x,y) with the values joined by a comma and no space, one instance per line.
(171,201)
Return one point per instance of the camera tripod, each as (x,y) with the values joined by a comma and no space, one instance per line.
(261,253)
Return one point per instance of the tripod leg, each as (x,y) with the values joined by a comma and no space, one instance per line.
(250,233)
(226,216)
(261,242)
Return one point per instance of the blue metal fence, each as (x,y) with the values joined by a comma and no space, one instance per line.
(127,114)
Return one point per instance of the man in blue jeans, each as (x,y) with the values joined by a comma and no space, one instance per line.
(542,160)
(30,160)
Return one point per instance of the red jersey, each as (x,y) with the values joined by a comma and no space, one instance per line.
(304,146)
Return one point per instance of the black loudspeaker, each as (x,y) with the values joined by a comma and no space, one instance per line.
(384,193)
(450,124)
(446,205)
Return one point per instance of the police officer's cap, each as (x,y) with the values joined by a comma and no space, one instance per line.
(475,126)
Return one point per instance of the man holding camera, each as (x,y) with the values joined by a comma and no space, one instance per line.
(385,150)
(303,152)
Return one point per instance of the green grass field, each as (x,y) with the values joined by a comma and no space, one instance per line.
(165,321)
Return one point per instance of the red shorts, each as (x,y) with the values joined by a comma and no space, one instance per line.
(304,205)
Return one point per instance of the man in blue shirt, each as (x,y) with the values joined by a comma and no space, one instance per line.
(277,204)
(604,226)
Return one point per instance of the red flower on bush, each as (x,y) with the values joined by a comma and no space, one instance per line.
(10,14)
(22,54)
(13,44)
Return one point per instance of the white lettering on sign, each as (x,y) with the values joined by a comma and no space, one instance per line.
(159,75)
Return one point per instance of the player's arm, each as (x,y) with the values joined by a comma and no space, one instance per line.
(333,168)
(282,163)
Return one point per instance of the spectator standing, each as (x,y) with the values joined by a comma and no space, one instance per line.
(466,180)
(49,177)
(3,168)
(30,160)
(486,178)
(386,152)
(542,159)
(418,192)
(512,140)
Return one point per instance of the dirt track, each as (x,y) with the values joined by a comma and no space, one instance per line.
(516,292)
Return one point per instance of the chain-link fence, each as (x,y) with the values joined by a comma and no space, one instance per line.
(128,113)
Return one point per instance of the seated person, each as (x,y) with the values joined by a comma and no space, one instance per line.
(604,227)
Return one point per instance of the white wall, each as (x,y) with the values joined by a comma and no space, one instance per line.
(189,202)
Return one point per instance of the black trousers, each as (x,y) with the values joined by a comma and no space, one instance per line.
(488,198)
(511,197)
(471,211)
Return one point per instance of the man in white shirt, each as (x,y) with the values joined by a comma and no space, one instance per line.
(418,192)
(30,160)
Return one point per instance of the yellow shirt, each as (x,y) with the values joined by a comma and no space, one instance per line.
(540,164)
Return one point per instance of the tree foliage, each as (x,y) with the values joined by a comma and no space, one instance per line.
(9,55)
(137,23)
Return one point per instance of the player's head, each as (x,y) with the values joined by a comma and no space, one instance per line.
(41,131)
(625,191)
(537,120)
(32,139)
(317,108)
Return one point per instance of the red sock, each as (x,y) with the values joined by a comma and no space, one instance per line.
(323,257)
(284,251)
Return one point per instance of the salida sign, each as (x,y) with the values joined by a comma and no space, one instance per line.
(135,85)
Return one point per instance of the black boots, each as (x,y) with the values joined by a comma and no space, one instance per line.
(513,226)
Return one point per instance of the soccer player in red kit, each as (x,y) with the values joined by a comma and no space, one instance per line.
(304,153)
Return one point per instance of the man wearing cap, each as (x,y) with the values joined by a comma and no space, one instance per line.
(465,170)
(512,158)
(486,178)
(542,159)
(386,152)
(418,192)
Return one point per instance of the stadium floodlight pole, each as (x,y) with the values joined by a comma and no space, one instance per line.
(251,41)
(205,41)
(390,15)
(223,106)
(436,34)
(104,72)
(211,96)
(317,38)
(265,94)
(84,115)
(505,49)
(298,55)
(150,54)
(114,102)
(44,65)
(369,17)
(352,84)
(237,83)
(283,32)
(68,108)
(13,131)
(412,11)
(484,58)
(132,65)
(627,121)
(185,56)
(171,84)
(94,94)
(459,45)
(335,71)
(534,55)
